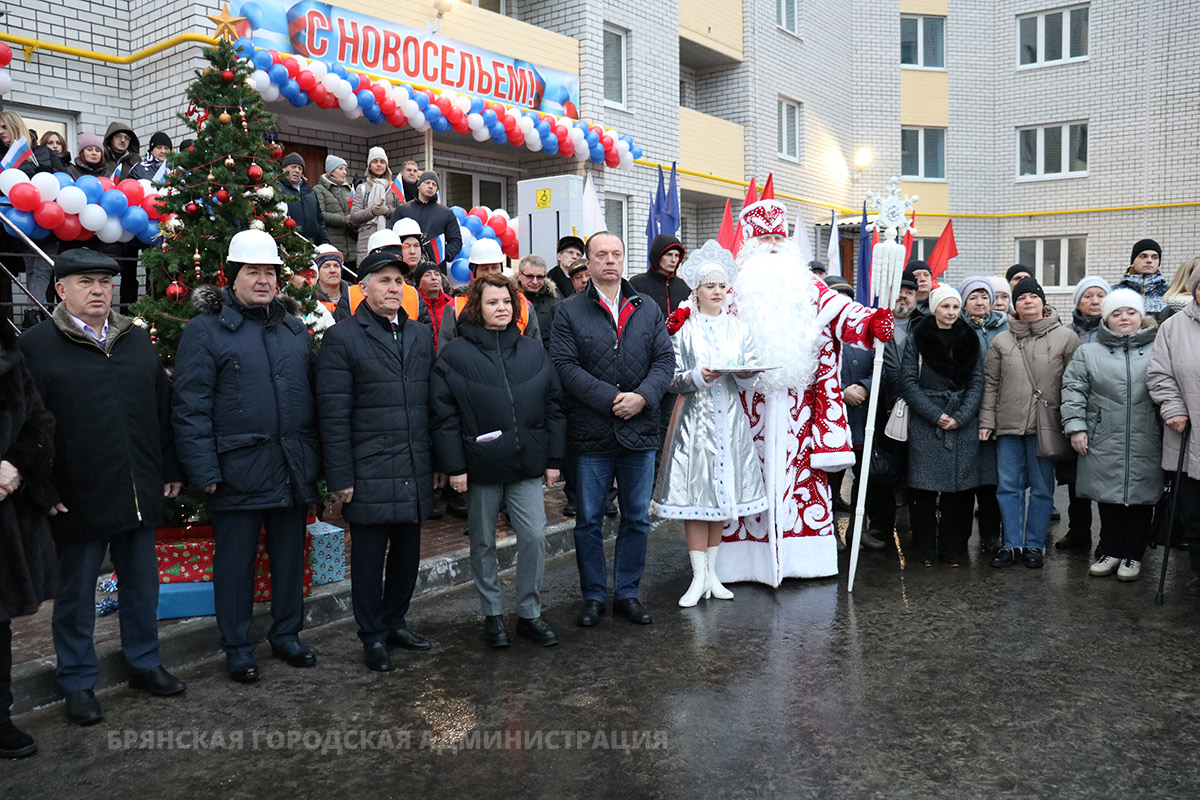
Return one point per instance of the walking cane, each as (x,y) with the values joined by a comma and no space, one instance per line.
(1183,445)
(887,267)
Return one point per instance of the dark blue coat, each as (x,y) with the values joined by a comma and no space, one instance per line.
(244,413)
(374,394)
(304,207)
(595,363)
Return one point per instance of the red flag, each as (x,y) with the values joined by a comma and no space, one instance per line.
(943,251)
(727,236)
(908,238)
(751,194)
(768,192)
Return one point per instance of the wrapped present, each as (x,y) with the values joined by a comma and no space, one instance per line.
(328,555)
(262,570)
(185,555)
(186,600)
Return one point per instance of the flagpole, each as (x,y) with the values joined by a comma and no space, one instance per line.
(887,267)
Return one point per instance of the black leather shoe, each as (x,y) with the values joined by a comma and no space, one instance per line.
(407,640)
(294,653)
(1033,557)
(436,513)
(241,668)
(157,682)
(631,609)
(568,509)
(1074,541)
(456,506)
(14,742)
(610,509)
(376,656)
(83,708)
(590,613)
(494,632)
(537,631)
(1005,557)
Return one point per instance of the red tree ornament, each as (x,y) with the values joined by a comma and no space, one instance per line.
(227,76)
(192,209)
(254,173)
(222,196)
(177,291)
(290,224)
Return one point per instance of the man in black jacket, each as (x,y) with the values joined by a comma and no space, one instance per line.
(570,250)
(246,433)
(615,360)
(303,205)
(114,461)
(373,391)
(435,219)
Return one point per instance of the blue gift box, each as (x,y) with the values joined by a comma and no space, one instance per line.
(185,600)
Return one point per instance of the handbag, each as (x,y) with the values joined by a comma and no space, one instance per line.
(1052,443)
(896,427)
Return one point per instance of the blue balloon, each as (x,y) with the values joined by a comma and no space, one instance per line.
(592,138)
(22,221)
(459,213)
(278,74)
(440,124)
(64,180)
(598,156)
(542,127)
(365,99)
(114,202)
(486,232)
(39,232)
(134,219)
(489,118)
(460,270)
(432,113)
(243,47)
(302,99)
(149,235)
(296,100)
(550,146)
(499,135)
(474,226)
(352,79)
(636,151)
(289,89)
(476,105)
(338,70)
(422,101)
(465,252)
(374,115)
(91,187)
(262,60)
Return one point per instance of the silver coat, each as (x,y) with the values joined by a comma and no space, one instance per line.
(710,470)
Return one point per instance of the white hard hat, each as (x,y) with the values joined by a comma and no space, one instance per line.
(325,249)
(486,251)
(407,226)
(253,247)
(383,238)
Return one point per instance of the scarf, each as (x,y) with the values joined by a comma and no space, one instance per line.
(377,190)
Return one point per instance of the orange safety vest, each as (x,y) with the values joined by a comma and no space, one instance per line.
(522,314)
(356,297)
(408,301)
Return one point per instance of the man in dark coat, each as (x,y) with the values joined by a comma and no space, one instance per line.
(615,360)
(540,292)
(435,219)
(121,148)
(373,392)
(570,250)
(246,424)
(303,205)
(114,461)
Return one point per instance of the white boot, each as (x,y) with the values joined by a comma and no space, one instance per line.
(699,580)
(714,586)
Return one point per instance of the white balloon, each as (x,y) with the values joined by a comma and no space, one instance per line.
(475,122)
(501,213)
(47,185)
(348,102)
(10,178)
(147,187)
(626,160)
(5,81)
(385,83)
(487,212)
(354,113)
(409,107)
(125,235)
(343,89)
(417,119)
(582,154)
(318,69)
(330,81)
(525,124)
(481,134)
(92,217)
(533,143)
(463,104)
(622,146)
(72,199)
(271,94)
(467,236)
(111,230)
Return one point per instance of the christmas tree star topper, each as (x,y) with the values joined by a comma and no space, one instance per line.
(226,24)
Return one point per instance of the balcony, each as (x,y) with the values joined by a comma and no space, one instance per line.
(714,147)
(710,33)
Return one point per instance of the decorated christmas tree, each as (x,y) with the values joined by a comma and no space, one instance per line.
(221,184)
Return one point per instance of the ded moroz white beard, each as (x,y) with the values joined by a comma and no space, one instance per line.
(774,296)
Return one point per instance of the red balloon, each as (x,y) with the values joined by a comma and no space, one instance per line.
(508,237)
(397,119)
(84,234)
(364,84)
(133,191)
(566,149)
(25,196)
(509,122)
(386,106)
(5,55)
(69,228)
(512,250)
(379,92)
(479,212)
(275,57)
(49,214)
(516,138)
(561,134)
(498,224)
(107,184)
(317,94)
(307,81)
(150,206)
(292,66)
(607,141)
(455,116)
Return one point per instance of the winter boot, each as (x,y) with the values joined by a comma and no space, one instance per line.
(699,580)
(714,586)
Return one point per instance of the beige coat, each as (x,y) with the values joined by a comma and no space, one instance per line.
(1008,408)
(1173,378)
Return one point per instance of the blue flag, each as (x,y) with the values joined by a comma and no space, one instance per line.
(862,282)
(651,225)
(670,217)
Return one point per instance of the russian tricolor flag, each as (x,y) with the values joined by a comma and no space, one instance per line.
(18,153)
(435,249)
(398,188)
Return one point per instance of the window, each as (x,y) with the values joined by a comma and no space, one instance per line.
(922,43)
(786,16)
(789,125)
(468,190)
(43,120)
(1056,261)
(922,248)
(614,216)
(1052,151)
(1053,37)
(491,5)
(923,153)
(614,66)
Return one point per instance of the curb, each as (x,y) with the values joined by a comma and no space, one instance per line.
(195,639)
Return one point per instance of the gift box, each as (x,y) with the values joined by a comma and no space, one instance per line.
(185,555)
(185,600)
(262,570)
(328,555)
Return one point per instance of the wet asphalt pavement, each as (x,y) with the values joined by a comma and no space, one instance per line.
(926,682)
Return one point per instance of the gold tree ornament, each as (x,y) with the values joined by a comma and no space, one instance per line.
(226,24)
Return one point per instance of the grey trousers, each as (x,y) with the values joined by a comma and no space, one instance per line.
(527,512)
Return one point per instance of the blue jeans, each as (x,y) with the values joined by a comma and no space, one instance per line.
(1019,465)
(634,470)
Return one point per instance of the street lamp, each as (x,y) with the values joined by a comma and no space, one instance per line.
(442,7)
(862,159)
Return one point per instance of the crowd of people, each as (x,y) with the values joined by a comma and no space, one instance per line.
(728,393)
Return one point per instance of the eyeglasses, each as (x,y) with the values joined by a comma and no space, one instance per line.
(527,276)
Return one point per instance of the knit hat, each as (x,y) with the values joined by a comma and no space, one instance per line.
(1089,282)
(839,284)
(915,266)
(428,175)
(293,158)
(333,162)
(160,139)
(422,268)
(941,294)
(1025,286)
(1122,298)
(974,283)
(1142,246)
(89,139)
(374,153)
(1015,270)
(999,286)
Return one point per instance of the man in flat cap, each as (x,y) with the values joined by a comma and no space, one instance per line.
(435,219)
(114,462)
(570,250)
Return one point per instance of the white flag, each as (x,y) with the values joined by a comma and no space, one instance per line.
(833,254)
(593,214)
(800,237)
